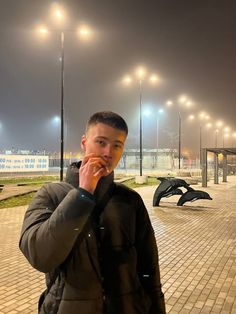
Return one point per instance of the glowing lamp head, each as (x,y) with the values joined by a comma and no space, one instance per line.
(141,72)
(127,79)
(169,103)
(85,32)
(154,78)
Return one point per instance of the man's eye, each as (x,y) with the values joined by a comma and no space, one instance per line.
(118,146)
(101,142)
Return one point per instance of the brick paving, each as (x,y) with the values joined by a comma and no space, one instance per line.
(197,249)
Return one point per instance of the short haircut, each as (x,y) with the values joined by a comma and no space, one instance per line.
(109,118)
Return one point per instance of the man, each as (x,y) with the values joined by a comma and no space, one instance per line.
(93,238)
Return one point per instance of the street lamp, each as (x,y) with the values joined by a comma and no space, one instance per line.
(234,135)
(225,135)
(183,100)
(160,112)
(219,124)
(202,116)
(140,75)
(84,32)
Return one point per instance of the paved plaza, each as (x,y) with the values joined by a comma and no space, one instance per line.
(197,249)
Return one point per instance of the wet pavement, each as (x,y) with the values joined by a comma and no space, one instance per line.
(197,251)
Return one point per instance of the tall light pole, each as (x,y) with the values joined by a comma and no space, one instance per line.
(225,135)
(179,140)
(219,125)
(216,137)
(183,100)
(159,112)
(140,73)
(140,129)
(234,136)
(62,106)
(84,32)
(202,116)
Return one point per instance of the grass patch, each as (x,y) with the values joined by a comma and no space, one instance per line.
(34,180)
(131,183)
(25,199)
(20,200)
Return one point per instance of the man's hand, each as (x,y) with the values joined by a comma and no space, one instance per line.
(92,168)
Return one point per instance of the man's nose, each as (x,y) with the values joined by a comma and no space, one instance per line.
(107,152)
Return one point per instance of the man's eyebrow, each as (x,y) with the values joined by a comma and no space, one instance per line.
(106,138)
(119,142)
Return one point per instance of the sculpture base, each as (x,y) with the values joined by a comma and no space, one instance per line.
(141,179)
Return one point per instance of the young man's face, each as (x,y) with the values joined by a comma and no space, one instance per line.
(106,142)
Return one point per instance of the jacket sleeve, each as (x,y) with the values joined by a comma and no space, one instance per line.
(50,231)
(148,260)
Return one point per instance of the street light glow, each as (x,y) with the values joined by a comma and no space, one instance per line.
(202,115)
(56,119)
(188,103)
(169,103)
(127,79)
(154,78)
(85,32)
(147,112)
(182,99)
(140,72)
(58,14)
(43,30)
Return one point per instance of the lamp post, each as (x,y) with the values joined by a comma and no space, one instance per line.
(179,140)
(225,135)
(184,101)
(84,32)
(219,125)
(159,112)
(141,72)
(234,136)
(216,137)
(62,106)
(140,130)
(202,116)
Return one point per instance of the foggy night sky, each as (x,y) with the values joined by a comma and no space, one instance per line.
(190,44)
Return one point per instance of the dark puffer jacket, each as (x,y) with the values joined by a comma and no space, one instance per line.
(105,266)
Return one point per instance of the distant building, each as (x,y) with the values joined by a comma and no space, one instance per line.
(152,159)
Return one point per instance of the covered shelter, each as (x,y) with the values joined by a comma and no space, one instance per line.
(204,163)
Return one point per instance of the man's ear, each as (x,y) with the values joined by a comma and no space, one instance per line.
(83,143)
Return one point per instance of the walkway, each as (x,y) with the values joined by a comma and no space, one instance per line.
(197,248)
